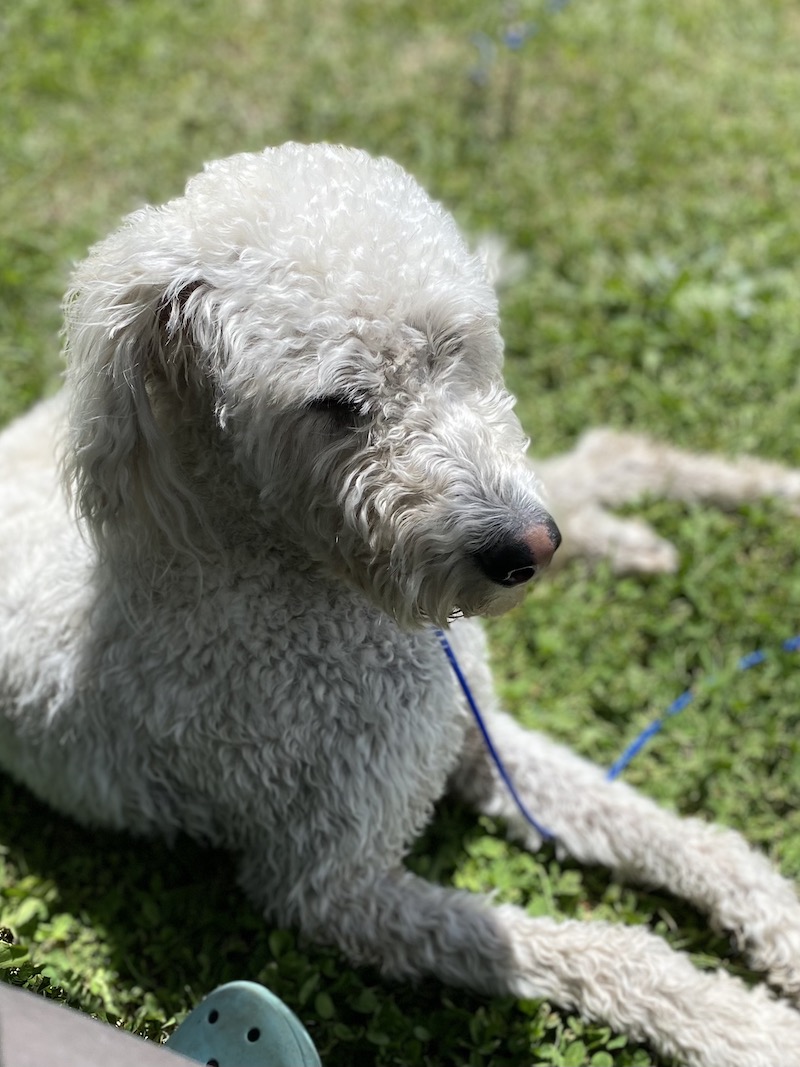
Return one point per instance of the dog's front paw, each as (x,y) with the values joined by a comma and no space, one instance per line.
(774,949)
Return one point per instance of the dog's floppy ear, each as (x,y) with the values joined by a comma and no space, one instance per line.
(134,357)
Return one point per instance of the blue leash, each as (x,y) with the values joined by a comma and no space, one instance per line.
(751,660)
(545,834)
(639,742)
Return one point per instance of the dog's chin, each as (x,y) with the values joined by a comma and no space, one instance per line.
(482,603)
(440,603)
(496,602)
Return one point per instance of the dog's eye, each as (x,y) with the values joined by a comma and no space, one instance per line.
(346,410)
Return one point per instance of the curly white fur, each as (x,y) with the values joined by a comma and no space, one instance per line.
(291,449)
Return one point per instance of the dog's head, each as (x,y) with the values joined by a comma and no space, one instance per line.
(305,329)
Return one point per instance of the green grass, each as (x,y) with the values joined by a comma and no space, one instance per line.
(645,158)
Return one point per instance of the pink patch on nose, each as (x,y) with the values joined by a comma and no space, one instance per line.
(542,540)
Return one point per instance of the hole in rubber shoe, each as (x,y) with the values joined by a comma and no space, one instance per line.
(254,1034)
(212,1063)
(213,1015)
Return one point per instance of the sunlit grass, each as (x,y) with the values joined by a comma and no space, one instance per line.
(644,158)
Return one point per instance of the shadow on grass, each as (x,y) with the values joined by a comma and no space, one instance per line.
(153,927)
(156,926)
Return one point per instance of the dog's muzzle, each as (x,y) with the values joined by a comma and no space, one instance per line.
(519,558)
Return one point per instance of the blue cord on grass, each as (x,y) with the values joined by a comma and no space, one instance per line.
(545,834)
(792,644)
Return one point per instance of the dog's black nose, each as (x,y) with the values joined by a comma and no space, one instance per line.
(517,559)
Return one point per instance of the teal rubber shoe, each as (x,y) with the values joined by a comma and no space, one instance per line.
(242,1024)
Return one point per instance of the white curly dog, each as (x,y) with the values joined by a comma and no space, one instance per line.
(291,453)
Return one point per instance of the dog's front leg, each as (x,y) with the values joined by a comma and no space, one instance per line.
(609,823)
(626,977)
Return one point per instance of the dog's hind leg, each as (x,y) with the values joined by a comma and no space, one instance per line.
(630,545)
(613,468)
(626,977)
(603,822)
(608,469)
